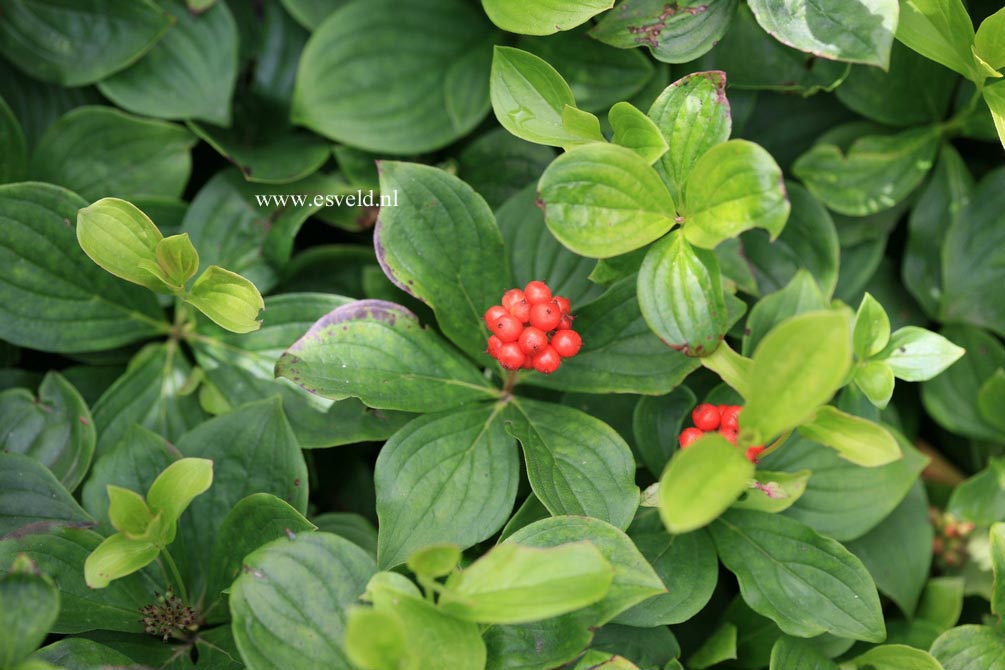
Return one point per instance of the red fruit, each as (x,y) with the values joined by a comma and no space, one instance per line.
(532,340)
(521,310)
(753,453)
(728,434)
(494,344)
(507,327)
(514,295)
(537,292)
(688,436)
(566,322)
(510,356)
(493,313)
(566,342)
(528,363)
(706,416)
(729,416)
(545,315)
(564,305)
(547,361)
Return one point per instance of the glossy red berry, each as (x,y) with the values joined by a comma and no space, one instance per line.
(730,435)
(705,416)
(729,417)
(511,356)
(493,313)
(545,316)
(753,453)
(537,292)
(494,344)
(533,340)
(547,361)
(688,436)
(566,342)
(528,363)
(507,328)
(565,323)
(564,306)
(512,296)
(521,310)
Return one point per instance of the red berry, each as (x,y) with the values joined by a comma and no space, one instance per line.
(730,416)
(512,296)
(507,328)
(533,340)
(528,363)
(494,344)
(728,434)
(510,356)
(547,361)
(566,322)
(537,292)
(493,313)
(566,342)
(688,436)
(753,453)
(564,305)
(706,416)
(521,310)
(545,316)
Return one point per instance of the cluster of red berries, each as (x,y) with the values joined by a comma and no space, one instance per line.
(532,329)
(723,418)
(952,537)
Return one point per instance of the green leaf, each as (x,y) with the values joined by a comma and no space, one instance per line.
(31,31)
(227,298)
(602,660)
(876,381)
(634,578)
(635,130)
(118,556)
(718,647)
(532,18)
(893,657)
(377,351)
(942,602)
(602,200)
(437,560)
(54,428)
(980,499)
(915,354)
(701,482)
(31,497)
(29,605)
(681,297)
(517,584)
(584,126)
(576,463)
(620,353)
(297,593)
(871,329)
(548,643)
(424,68)
(189,73)
(14,161)
(939,30)
(61,553)
(971,269)
(374,639)
(177,258)
(969,648)
(873,174)
(997,535)
(77,652)
(99,151)
(656,423)
(498,165)
(733,187)
(800,295)
(806,583)
(898,552)
(773,492)
(175,488)
(988,45)
(448,477)
(686,563)
(796,368)
(790,653)
(439,216)
(127,511)
(693,115)
(44,273)
(858,440)
(990,398)
(676,34)
(858,32)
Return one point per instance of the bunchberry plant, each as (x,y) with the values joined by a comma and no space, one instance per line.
(502,335)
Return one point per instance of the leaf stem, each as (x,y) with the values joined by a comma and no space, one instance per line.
(510,381)
(777,443)
(177,575)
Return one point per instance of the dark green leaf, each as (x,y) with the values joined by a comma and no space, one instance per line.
(32,499)
(13,149)
(29,605)
(542,644)
(802,294)
(791,653)
(498,165)
(970,648)
(656,423)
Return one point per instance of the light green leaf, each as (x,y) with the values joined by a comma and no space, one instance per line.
(734,369)
(940,30)
(806,583)
(857,32)
(989,42)
(127,511)
(718,647)
(377,351)
(681,297)
(603,660)
(997,534)
(915,354)
(177,258)
(517,584)
(117,557)
(602,200)
(893,657)
(227,298)
(437,560)
(969,648)
(30,494)
(802,294)
(701,482)
(175,488)
(796,368)
(374,639)
(29,605)
(582,125)
(991,398)
(942,602)
(733,187)
(858,440)
(529,17)
(773,492)
(638,132)
(871,330)
(876,380)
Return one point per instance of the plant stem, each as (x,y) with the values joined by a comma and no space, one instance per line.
(177,575)
(510,382)
(777,443)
